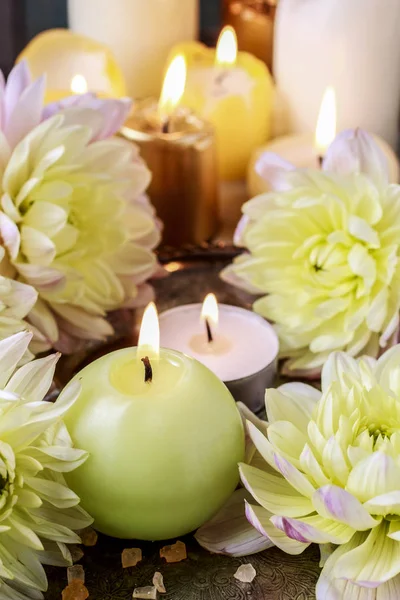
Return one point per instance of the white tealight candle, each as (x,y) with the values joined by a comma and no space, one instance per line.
(239,346)
(306,151)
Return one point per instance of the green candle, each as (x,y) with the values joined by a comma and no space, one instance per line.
(164,438)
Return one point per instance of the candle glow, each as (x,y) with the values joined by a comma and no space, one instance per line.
(227,47)
(326,124)
(79,84)
(149,338)
(173,87)
(210,311)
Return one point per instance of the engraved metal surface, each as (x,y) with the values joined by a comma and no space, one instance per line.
(203,576)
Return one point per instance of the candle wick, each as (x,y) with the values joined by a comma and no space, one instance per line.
(148,370)
(165,126)
(209,332)
(320,160)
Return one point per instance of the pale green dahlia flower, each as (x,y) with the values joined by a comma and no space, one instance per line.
(73,216)
(38,512)
(326,470)
(324,246)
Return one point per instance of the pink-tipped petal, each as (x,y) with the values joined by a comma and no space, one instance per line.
(261,520)
(229,532)
(238,235)
(115,113)
(296,479)
(55,107)
(272,168)
(333,502)
(355,150)
(10,235)
(26,113)
(18,80)
(314,529)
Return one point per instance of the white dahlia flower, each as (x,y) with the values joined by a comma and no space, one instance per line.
(38,512)
(323,254)
(73,216)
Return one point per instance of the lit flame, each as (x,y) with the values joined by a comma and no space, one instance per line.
(227,47)
(210,310)
(79,85)
(326,125)
(149,338)
(173,87)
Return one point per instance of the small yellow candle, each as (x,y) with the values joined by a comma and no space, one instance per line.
(73,64)
(234,92)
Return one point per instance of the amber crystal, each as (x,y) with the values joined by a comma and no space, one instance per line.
(76,573)
(88,536)
(130,557)
(174,553)
(75,591)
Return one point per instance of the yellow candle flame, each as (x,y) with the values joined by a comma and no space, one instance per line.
(79,85)
(149,338)
(210,311)
(173,87)
(227,48)
(326,125)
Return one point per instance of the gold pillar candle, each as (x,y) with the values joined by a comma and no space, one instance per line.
(182,159)
(253,21)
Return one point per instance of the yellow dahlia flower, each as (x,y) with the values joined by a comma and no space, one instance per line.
(331,475)
(73,217)
(38,512)
(323,254)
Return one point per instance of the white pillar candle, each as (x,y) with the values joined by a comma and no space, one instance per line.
(242,353)
(350,44)
(140,32)
(300,151)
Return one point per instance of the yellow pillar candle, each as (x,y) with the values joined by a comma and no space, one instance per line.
(234,92)
(164,438)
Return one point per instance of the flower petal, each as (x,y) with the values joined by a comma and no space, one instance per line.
(260,519)
(314,529)
(272,169)
(373,562)
(229,532)
(292,402)
(354,150)
(274,493)
(333,502)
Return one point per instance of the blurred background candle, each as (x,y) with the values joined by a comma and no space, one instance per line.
(306,150)
(140,33)
(253,21)
(179,149)
(352,45)
(234,92)
(73,64)
(239,346)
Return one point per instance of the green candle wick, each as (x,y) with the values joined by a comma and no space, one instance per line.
(148,370)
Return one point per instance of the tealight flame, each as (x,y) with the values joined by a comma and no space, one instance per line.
(173,87)
(210,311)
(227,48)
(326,125)
(149,338)
(79,85)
